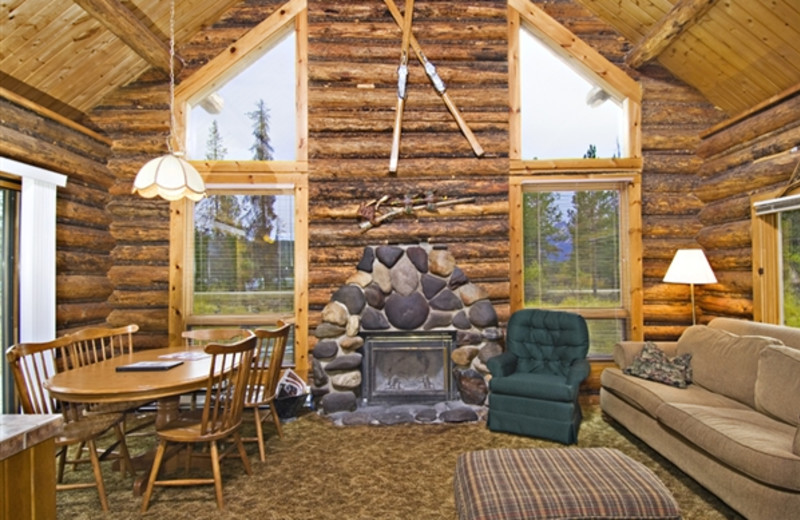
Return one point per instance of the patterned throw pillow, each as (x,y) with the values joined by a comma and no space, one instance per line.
(653,364)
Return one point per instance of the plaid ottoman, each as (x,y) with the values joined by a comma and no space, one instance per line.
(558,483)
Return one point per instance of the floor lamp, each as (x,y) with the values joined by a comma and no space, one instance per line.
(690,266)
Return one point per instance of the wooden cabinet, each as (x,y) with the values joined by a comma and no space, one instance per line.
(27,466)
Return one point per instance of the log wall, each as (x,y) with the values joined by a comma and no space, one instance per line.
(113,247)
(83,239)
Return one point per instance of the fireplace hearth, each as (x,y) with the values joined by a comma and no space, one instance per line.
(440,327)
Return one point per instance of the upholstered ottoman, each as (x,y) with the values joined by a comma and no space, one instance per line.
(557,483)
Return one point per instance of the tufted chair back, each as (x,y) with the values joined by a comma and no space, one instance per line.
(546,342)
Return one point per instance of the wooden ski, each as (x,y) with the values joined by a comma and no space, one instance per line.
(437,82)
(402,81)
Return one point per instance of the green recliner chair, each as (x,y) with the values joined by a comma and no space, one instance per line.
(534,385)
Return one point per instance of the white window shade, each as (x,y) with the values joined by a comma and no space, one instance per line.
(37,257)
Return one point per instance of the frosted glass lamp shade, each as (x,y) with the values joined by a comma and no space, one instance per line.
(171,178)
(690,266)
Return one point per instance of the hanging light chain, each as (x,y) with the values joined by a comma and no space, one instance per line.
(171,74)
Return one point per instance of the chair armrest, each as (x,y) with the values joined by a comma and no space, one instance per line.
(502,364)
(578,371)
(625,351)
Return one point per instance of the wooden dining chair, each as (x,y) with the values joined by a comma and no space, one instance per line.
(219,419)
(31,365)
(94,344)
(202,337)
(263,387)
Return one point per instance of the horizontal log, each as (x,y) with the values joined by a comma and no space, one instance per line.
(385,73)
(671,163)
(50,131)
(657,112)
(143,231)
(79,192)
(467,99)
(408,231)
(74,314)
(366,11)
(434,31)
(676,312)
(752,175)
(132,276)
(442,145)
(727,305)
(731,259)
(467,209)
(139,298)
(664,332)
(414,121)
(80,214)
(138,208)
(21,147)
(725,236)
(670,226)
(83,238)
(654,184)
(759,124)
(73,287)
(82,262)
(148,319)
(324,191)
(780,141)
(664,137)
(734,208)
(413,167)
(149,254)
(670,204)
(387,52)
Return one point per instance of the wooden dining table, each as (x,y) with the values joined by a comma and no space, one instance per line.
(101,383)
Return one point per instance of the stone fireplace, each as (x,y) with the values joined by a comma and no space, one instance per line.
(407,327)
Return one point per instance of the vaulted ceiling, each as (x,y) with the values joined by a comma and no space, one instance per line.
(66,55)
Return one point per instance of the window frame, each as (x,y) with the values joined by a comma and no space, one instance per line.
(523,14)
(766,247)
(246,176)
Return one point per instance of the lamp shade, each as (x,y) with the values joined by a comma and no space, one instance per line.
(690,266)
(169,177)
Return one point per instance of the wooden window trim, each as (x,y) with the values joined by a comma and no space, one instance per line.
(240,54)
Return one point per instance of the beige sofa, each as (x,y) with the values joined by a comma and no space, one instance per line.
(734,429)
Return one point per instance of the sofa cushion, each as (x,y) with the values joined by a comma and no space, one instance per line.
(778,383)
(744,439)
(647,396)
(724,362)
(653,364)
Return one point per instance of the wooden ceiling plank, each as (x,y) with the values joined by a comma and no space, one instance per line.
(677,21)
(128,28)
(770,30)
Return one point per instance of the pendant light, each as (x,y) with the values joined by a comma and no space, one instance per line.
(170,176)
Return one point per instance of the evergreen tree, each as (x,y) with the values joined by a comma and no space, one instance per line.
(215,151)
(542,233)
(262,149)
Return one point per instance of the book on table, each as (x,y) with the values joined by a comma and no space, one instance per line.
(140,366)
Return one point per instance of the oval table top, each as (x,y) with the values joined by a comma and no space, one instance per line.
(101,383)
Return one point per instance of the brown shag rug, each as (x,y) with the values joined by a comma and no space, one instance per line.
(323,471)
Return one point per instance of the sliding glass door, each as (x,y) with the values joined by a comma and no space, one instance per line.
(9,292)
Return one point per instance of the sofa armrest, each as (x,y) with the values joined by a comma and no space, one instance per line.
(502,364)
(625,351)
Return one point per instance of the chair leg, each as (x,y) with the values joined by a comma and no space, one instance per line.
(259,434)
(98,474)
(242,453)
(62,463)
(217,474)
(276,419)
(162,446)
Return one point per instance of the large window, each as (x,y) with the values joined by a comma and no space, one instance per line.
(575,185)
(239,256)
(575,243)
(776,260)
(9,319)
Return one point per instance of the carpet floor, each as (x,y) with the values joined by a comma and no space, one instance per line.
(323,471)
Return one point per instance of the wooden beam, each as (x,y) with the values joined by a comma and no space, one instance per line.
(127,27)
(678,20)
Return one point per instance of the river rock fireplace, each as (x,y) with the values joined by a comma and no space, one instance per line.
(407,327)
